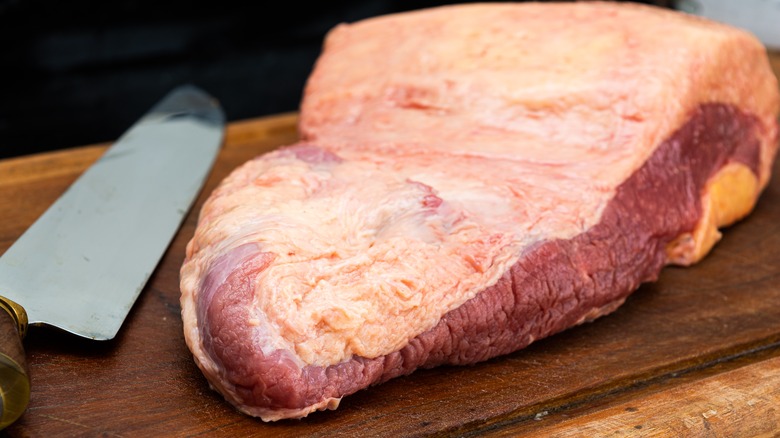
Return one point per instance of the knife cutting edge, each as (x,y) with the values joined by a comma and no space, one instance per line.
(83,263)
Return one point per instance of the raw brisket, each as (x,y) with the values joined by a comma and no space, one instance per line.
(470,179)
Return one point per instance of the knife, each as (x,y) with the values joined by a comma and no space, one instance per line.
(83,263)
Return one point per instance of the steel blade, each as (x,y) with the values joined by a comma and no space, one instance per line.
(83,263)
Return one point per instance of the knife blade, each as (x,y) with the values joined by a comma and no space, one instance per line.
(83,263)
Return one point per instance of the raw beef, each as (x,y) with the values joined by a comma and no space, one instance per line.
(470,179)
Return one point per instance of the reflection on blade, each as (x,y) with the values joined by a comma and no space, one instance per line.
(81,266)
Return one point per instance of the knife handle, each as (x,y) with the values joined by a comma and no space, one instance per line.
(14,374)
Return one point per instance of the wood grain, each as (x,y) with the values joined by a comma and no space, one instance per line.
(731,401)
(716,324)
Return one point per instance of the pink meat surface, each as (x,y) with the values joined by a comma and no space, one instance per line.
(470,178)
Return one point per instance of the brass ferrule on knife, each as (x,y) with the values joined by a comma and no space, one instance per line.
(18,314)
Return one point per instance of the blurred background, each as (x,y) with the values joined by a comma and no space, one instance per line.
(81,71)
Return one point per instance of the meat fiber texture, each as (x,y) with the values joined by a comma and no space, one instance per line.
(470,179)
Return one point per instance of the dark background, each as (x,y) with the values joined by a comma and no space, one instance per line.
(80,72)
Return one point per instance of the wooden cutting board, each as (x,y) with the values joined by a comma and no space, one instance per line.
(697,352)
